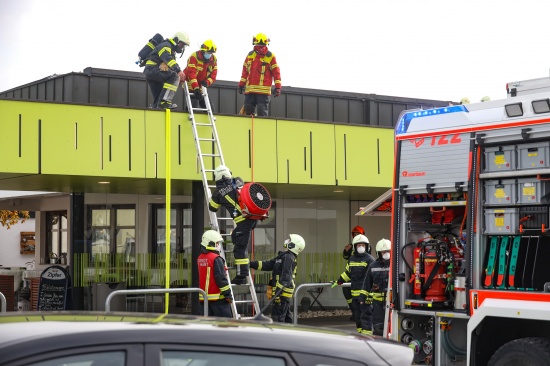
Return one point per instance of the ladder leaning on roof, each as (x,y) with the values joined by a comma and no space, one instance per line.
(210,134)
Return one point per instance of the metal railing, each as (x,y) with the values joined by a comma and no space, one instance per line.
(3,303)
(305,285)
(156,291)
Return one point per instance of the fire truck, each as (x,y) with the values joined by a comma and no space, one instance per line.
(470,270)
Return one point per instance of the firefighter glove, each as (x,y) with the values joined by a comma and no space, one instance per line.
(198,94)
(241,89)
(335,283)
(204,83)
(164,67)
(229,299)
(182,76)
(253,264)
(277,92)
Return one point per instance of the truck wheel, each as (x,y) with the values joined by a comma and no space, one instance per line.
(523,352)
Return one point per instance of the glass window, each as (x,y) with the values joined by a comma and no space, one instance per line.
(185,358)
(180,228)
(56,234)
(88,359)
(113,230)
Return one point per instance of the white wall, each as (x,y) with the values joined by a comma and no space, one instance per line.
(9,244)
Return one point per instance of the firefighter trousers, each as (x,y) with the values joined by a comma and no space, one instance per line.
(219,308)
(163,84)
(258,103)
(280,311)
(240,237)
(372,316)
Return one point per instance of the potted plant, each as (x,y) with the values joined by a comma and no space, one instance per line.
(53,258)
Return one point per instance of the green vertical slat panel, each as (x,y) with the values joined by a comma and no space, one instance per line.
(305,153)
(19,145)
(123,142)
(234,137)
(373,166)
(264,159)
(154,144)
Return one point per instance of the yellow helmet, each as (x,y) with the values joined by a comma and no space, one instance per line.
(260,39)
(209,46)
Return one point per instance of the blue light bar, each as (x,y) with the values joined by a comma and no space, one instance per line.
(405,121)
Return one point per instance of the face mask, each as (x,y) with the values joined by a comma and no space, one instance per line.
(386,256)
(361,249)
(207,55)
(262,50)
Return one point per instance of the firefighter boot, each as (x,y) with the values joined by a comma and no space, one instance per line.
(167,105)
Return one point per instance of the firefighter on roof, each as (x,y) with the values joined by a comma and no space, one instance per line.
(212,279)
(226,195)
(346,254)
(374,289)
(260,70)
(355,272)
(282,279)
(162,72)
(201,70)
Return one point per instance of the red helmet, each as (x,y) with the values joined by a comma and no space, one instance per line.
(358,229)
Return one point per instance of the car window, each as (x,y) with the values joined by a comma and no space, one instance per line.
(87,359)
(188,358)
(306,359)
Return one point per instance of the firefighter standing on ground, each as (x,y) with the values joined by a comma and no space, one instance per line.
(212,279)
(355,272)
(346,254)
(282,279)
(163,73)
(226,195)
(201,70)
(373,292)
(260,70)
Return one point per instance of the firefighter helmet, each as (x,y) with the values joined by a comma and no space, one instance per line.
(360,239)
(210,238)
(358,229)
(181,37)
(209,46)
(465,100)
(222,172)
(383,245)
(260,39)
(295,243)
(485,99)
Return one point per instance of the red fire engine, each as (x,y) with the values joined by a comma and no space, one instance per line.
(470,237)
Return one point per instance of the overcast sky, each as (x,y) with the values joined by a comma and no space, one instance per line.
(432,49)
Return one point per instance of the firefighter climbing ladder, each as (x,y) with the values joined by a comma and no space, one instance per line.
(208,133)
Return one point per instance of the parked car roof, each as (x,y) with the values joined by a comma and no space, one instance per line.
(27,338)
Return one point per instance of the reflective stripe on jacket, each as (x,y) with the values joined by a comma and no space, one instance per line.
(259,73)
(164,52)
(199,69)
(355,272)
(226,195)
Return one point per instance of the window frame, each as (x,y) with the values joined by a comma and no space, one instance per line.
(112,225)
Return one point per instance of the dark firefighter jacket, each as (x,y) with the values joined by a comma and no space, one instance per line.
(212,278)
(376,281)
(226,195)
(199,69)
(284,271)
(164,52)
(355,272)
(259,72)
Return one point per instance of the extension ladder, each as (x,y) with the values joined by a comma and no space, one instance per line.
(209,134)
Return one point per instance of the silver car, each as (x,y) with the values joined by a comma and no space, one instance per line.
(130,339)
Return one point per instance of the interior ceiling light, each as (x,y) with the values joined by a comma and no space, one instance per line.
(541,106)
(338,190)
(514,110)
(105,182)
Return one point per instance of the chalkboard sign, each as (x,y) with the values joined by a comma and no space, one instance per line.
(53,290)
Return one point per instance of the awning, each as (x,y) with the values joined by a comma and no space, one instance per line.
(379,207)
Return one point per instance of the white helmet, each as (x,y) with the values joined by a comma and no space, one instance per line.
(485,99)
(210,238)
(383,245)
(181,37)
(222,172)
(295,243)
(360,239)
(465,100)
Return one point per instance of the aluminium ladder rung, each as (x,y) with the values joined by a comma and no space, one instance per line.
(250,301)
(205,139)
(201,109)
(211,155)
(203,124)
